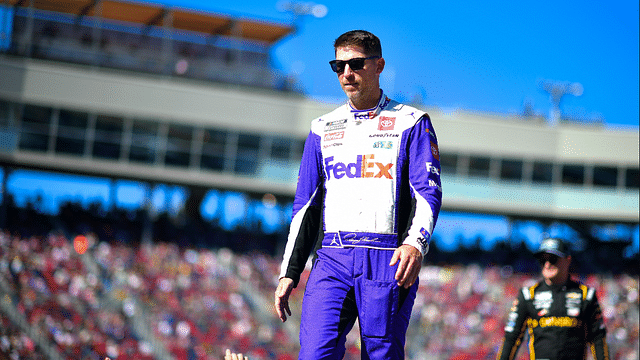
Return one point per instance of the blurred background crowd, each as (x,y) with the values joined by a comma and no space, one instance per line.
(79,296)
(149,154)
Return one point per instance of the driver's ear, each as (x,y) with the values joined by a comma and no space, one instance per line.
(380,65)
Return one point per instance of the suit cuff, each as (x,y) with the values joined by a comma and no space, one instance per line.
(419,243)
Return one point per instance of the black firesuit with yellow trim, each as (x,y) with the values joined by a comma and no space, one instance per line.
(561,319)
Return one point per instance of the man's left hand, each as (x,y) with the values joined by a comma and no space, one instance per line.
(410,263)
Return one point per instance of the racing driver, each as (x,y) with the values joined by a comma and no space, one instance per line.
(562,315)
(367,200)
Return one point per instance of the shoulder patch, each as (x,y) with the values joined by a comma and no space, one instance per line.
(530,292)
(584,290)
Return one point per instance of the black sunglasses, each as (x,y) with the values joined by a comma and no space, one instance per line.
(552,259)
(354,64)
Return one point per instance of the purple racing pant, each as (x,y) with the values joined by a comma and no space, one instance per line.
(348,283)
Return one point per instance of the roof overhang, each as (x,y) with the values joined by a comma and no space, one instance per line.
(177,18)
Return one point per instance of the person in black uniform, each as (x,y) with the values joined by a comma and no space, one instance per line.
(562,315)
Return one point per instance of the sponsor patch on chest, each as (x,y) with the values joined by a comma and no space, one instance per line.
(386,123)
(543,300)
(335,125)
(334,136)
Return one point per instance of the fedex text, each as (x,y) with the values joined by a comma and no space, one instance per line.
(363,167)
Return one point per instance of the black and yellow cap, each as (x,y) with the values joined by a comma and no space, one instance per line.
(553,246)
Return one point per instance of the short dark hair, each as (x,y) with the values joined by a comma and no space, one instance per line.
(362,38)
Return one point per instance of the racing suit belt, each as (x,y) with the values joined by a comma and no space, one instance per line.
(342,239)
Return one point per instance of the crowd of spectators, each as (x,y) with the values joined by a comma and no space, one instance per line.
(125,296)
(198,302)
(194,299)
(48,284)
(15,344)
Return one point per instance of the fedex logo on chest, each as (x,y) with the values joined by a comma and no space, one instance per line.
(364,166)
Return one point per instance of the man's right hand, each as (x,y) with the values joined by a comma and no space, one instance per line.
(285,286)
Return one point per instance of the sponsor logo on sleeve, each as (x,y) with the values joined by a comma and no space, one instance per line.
(425,234)
(514,305)
(435,151)
(432,169)
(435,185)
(513,316)
(424,240)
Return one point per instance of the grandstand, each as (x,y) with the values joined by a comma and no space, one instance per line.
(157,95)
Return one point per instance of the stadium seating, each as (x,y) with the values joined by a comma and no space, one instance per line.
(198,302)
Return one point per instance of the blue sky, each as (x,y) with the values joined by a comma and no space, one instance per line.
(485,56)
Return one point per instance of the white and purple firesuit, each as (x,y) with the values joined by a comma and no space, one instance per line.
(369,181)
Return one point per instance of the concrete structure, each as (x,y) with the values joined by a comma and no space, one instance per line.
(247,135)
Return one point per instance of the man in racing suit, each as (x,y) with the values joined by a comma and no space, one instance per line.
(367,201)
(562,315)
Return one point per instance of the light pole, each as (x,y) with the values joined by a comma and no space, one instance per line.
(556,90)
(299,10)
